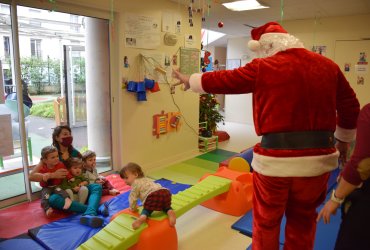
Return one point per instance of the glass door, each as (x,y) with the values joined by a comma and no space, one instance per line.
(75,84)
(46,40)
(14,120)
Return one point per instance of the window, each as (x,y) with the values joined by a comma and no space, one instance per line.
(6,47)
(5,8)
(75,26)
(34,15)
(36,48)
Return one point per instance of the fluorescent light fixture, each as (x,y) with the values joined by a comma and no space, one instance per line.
(244,5)
(209,36)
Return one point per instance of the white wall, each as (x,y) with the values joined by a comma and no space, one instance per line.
(139,144)
(238,108)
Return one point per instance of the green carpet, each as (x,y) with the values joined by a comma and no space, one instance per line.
(180,172)
(217,155)
(190,171)
(210,165)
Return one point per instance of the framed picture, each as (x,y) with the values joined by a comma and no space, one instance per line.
(233,63)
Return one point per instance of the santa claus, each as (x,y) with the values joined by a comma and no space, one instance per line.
(305,111)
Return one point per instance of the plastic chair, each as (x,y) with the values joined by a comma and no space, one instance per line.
(60,111)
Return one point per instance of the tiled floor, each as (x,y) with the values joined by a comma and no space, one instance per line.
(202,228)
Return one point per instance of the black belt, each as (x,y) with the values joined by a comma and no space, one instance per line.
(298,140)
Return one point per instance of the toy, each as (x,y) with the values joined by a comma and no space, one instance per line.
(163,123)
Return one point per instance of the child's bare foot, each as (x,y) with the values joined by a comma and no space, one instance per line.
(67,203)
(171,217)
(49,213)
(137,223)
(113,192)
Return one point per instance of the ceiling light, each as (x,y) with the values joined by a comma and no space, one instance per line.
(244,5)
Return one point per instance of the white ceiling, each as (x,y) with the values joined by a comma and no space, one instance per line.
(293,10)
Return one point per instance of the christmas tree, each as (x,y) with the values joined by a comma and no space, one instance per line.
(208,111)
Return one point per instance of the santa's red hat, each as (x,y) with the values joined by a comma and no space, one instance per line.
(260,32)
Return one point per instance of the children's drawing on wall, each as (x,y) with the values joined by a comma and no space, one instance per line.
(130,42)
(319,49)
(189,41)
(178,26)
(174,60)
(360,80)
(167,61)
(347,67)
(125,62)
(362,58)
(142,31)
(361,68)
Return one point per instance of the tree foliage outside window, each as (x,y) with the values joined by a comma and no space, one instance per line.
(39,72)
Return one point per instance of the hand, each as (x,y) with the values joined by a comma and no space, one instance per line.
(342,147)
(134,209)
(183,78)
(46,177)
(60,174)
(329,209)
(76,189)
(84,183)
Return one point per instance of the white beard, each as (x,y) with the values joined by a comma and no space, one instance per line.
(272,43)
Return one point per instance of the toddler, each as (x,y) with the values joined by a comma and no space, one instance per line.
(50,163)
(90,172)
(78,185)
(153,196)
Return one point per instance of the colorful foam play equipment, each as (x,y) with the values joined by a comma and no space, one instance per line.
(156,233)
(70,227)
(239,164)
(245,154)
(238,200)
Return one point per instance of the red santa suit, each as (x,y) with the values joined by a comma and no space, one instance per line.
(299,99)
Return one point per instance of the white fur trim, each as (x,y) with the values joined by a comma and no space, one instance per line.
(274,36)
(306,166)
(345,135)
(254,45)
(272,43)
(195,82)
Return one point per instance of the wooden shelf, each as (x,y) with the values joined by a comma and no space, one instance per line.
(207,143)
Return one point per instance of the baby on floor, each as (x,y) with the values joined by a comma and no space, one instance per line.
(153,196)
